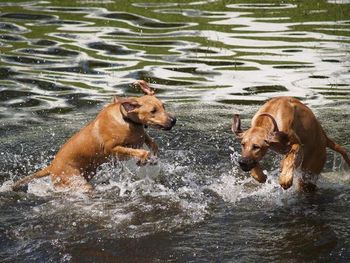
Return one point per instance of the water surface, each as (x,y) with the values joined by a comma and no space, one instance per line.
(61,61)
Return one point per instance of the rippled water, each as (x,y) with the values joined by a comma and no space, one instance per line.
(61,61)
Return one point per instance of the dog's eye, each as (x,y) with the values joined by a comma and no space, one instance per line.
(256,147)
(154,111)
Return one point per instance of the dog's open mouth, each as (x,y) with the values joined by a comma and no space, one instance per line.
(160,127)
(247,164)
(166,127)
(245,168)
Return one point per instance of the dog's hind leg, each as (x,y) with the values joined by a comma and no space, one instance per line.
(70,177)
(20,183)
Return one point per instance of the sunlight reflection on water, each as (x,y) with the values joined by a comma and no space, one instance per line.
(60,61)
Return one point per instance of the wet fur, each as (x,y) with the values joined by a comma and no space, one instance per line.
(118,130)
(296,133)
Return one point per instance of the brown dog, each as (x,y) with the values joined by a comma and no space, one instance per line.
(118,130)
(289,127)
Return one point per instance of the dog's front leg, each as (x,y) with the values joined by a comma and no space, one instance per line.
(140,154)
(151,144)
(153,147)
(290,162)
(258,174)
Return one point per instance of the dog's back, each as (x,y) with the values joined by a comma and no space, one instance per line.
(292,115)
(289,127)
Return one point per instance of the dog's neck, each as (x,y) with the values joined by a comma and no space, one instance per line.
(127,119)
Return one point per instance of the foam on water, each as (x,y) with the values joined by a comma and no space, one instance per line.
(6,186)
(127,198)
(233,188)
(207,63)
(135,202)
(126,180)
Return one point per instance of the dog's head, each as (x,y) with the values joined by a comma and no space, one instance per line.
(256,141)
(146,110)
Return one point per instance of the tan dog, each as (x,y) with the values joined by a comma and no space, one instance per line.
(289,127)
(118,130)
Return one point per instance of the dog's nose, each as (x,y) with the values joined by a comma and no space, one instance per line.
(246,164)
(173,121)
(243,165)
(170,123)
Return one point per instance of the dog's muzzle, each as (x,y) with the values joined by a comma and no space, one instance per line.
(247,164)
(171,124)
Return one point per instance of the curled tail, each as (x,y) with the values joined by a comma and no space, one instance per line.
(336,147)
(42,173)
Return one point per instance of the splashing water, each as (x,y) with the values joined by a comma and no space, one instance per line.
(207,60)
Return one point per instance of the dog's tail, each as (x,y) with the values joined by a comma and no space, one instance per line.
(42,173)
(336,147)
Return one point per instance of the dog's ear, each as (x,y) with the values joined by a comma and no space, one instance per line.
(144,87)
(116,99)
(236,126)
(277,137)
(130,105)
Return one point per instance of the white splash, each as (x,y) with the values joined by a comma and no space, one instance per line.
(233,187)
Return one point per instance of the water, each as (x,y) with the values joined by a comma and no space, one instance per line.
(61,61)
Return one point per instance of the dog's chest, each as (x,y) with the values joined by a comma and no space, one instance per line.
(135,140)
(121,133)
(133,137)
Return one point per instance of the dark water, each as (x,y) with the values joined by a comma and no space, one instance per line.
(61,61)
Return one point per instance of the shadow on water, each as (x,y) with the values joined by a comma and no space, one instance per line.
(61,61)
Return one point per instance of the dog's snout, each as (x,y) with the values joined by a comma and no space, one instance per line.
(243,165)
(173,121)
(246,164)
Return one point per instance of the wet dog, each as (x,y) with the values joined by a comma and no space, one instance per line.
(287,126)
(118,130)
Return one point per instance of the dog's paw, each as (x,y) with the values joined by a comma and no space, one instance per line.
(285,184)
(148,159)
(144,158)
(153,160)
(141,162)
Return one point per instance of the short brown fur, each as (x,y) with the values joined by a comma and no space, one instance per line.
(287,126)
(118,130)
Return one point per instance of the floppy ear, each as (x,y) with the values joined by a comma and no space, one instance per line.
(116,99)
(130,106)
(144,87)
(277,137)
(236,126)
